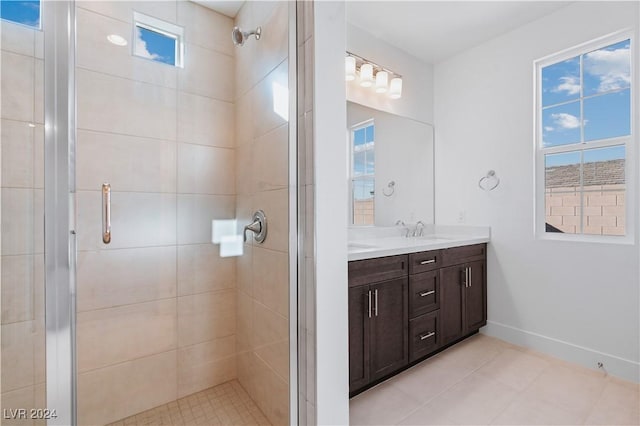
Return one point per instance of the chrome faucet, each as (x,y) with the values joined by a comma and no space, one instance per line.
(405,228)
(419,229)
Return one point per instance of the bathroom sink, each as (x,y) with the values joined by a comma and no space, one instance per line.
(355,246)
(432,237)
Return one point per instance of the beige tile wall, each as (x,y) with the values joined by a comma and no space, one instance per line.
(22,260)
(262,183)
(157,306)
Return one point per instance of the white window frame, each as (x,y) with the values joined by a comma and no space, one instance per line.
(352,131)
(630,143)
(168,29)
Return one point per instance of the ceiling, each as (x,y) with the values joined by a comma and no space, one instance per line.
(436,30)
(229,8)
(430,30)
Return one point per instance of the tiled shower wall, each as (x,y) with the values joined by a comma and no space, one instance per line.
(22,329)
(262,183)
(156,307)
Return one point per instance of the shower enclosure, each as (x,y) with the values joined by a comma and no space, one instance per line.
(127,128)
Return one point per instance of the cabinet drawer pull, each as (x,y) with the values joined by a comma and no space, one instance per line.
(426,336)
(426,262)
(427,293)
(376,301)
(369,303)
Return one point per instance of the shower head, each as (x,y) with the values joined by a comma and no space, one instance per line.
(239,37)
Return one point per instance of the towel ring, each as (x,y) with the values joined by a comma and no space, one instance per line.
(489,182)
(392,187)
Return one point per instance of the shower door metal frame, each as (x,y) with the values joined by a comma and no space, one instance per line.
(59,209)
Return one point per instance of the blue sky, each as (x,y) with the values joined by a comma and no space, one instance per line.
(605,103)
(156,46)
(25,12)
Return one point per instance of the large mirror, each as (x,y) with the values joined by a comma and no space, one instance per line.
(391,168)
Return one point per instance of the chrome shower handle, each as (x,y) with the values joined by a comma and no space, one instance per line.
(106,213)
(258,227)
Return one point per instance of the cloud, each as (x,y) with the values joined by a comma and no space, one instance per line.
(612,67)
(566,121)
(569,84)
(141,47)
(548,129)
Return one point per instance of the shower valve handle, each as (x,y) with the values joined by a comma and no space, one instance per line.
(258,227)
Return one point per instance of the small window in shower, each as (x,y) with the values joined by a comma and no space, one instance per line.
(158,40)
(26,12)
(363,173)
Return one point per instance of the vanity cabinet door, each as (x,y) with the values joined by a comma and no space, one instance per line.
(476,296)
(359,322)
(451,303)
(389,327)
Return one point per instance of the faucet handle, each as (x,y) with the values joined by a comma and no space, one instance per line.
(400,222)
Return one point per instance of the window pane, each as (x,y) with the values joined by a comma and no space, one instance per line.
(604,167)
(359,137)
(358,163)
(155,46)
(561,125)
(370,133)
(607,116)
(363,202)
(607,69)
(370,165)
(25,12)
(562,192)
(561,82)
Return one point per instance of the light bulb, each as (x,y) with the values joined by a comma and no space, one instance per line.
(395,88)
(382,80)
(349,68)
(366,75)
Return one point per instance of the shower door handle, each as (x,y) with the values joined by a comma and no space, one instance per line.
(106,213)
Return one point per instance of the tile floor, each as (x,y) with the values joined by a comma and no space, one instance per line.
(225,404)
(485,381)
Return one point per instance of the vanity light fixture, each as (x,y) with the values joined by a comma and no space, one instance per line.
(349,68)
(366,75)
(395,89)
(382,79)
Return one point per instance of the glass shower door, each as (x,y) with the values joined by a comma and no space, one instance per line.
(23,397)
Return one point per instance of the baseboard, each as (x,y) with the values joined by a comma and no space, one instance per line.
(613,365)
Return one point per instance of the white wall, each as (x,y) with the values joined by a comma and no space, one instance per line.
(578,301)
(403,154)
(329,118)
(417,77)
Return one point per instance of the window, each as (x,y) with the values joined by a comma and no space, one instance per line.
(362,173)
(583,138)
(158,40)
(25,12)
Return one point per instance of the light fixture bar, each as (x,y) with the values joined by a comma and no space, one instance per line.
(376,68)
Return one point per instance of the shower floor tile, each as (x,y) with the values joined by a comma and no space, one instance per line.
(225,404)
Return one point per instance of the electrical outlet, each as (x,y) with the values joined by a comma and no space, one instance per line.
(462,216)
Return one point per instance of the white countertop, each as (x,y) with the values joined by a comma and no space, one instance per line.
(371,242)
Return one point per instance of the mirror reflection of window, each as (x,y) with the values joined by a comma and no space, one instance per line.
(363,173)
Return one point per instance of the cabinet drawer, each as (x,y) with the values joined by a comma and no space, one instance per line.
(424,293)
(457,255)
(424,261)
(424,335)
(374,270)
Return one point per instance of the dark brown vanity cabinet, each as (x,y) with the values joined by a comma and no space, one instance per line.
(404,308)
(463,293)
(378,321)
